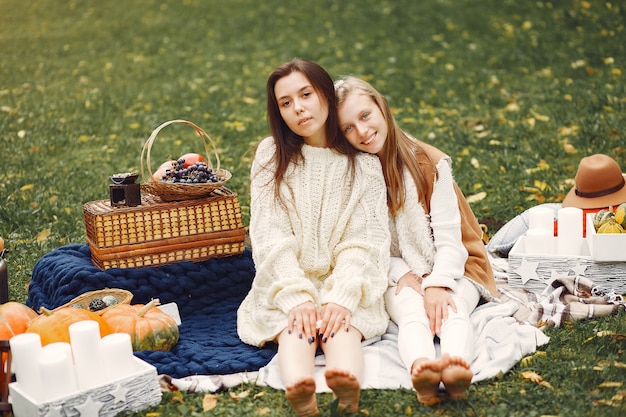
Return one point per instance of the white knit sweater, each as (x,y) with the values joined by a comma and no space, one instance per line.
(440,254)
(329,243)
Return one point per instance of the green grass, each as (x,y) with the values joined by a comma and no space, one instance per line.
(515,91)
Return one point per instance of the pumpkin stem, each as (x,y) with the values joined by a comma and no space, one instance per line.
(143,310)
(43,310)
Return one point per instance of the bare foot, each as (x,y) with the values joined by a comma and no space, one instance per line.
(425,376)
(346,387)
(456,376)
(301,395)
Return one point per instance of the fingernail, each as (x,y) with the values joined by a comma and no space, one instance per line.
(332,334)
(311,340)
(325,339)
(300,335)
(288,331)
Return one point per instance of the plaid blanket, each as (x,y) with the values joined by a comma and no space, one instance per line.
(567,298)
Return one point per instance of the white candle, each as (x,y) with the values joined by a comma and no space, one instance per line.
(85,341)
(570,231)
(57,372)
(538,242)
(25,352)
(541,218)
(117,352)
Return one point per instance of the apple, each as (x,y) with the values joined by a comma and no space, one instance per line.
(158,174)
(192,158)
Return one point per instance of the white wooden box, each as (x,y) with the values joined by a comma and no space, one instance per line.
(133,393)
(606,247)
(535,272)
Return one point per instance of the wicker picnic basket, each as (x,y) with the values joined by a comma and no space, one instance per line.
(159,232)
(83,300)
(169,191)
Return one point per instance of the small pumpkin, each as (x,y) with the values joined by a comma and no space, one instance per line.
(620,215)
(602,217)
(14,318)
(610,226)
(149,327)
(53,325)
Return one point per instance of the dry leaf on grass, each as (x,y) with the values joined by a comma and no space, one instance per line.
(611,384)
(209,402)
(536,378)
(239,395)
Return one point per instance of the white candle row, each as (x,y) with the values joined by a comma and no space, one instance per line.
(60,369)
(539,238)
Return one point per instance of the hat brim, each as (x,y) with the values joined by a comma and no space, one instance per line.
(614,199)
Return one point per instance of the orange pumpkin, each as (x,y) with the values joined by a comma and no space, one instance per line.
(53,325)
(149,327)
(14,318)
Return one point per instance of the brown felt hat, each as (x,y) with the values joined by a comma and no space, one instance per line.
(599,183)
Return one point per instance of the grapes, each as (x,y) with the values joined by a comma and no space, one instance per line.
(198,173)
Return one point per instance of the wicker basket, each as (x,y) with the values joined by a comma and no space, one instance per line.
(161,232)
(83,300)
(180,191)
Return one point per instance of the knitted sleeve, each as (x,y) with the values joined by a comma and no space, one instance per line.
(273,241)
(359,277)
(445,221)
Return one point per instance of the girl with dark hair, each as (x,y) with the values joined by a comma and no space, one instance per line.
(320,241)
(439,266)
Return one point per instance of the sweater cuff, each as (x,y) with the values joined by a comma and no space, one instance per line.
(397,269)
(439,281)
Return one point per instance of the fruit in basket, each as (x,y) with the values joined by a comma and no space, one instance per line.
(191,158)
(610,226)
(53,325)
(602,217)
(149,327)
(620,215)
(198,173)
(14,318)
(160,172)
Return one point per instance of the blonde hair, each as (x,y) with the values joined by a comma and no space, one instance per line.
(399,151)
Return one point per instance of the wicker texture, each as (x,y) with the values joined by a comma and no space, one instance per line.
(83,300)
(162,232)
(180,191)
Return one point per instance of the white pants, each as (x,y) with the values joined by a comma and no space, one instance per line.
(415,339)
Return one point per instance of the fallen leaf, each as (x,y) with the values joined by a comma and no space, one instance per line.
(263,411)
(528,359)
(536,378)
(476,197)
(610,384)
(209,402)
(43,235)
(239,395)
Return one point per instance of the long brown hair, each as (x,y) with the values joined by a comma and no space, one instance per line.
(399,151)
(288,144)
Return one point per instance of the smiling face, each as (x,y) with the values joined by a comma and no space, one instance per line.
(302,108)
(362,123)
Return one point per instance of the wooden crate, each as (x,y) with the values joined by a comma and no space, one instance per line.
(131,394)
(161,232)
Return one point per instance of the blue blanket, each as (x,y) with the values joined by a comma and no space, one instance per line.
(207,294)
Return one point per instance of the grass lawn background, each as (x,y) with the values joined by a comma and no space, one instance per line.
(517,92)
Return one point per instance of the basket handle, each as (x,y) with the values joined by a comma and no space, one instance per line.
(147,147)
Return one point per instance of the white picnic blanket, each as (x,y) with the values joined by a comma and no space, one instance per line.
(500,339)
(505,331)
